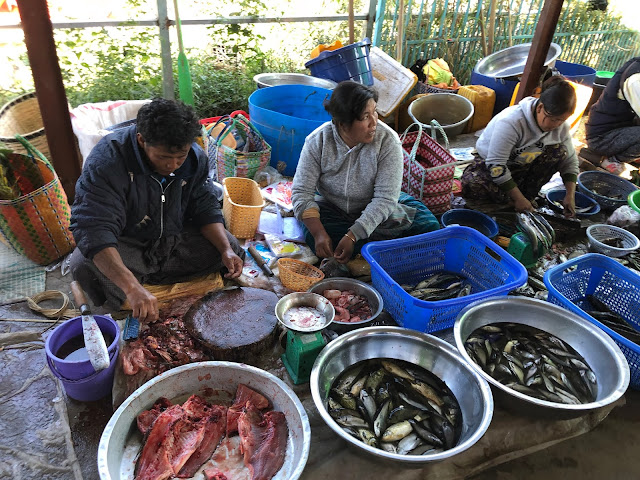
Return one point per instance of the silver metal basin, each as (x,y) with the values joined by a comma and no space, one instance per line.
(121,441)
(511,61)
(360,288)
(270,79)
(601,353)
(450,110)
(305,299)
(436,355)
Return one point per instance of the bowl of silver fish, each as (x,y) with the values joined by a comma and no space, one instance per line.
(121,442)
(539,358)
(401,396)
(304,312)
(357,304)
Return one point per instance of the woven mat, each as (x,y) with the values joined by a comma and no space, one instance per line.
(19,276)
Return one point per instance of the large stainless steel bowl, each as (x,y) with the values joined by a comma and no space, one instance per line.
(436,355)
(360,288)
(121,441)
(511,61)
(601,353)
(270,79)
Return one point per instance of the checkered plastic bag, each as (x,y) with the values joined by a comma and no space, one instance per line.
(428,168)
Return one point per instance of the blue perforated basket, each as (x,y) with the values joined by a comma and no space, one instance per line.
(610,282)
(462,250)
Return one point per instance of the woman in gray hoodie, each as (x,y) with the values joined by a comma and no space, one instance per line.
(354,163)
(522,147)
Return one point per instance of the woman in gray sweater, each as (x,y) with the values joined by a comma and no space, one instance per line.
(522,147)
(354,163)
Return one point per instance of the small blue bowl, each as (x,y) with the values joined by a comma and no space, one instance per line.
(582,201)
(470,218)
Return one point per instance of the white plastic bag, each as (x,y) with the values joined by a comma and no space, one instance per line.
(624,217)
(91,120)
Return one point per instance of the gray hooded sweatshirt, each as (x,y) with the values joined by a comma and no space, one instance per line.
(364,180)
(513,137)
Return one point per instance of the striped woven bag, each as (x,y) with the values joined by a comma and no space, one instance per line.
(35,223)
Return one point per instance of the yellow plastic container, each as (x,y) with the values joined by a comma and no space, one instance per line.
(323,46)
(241,206)
(483,100)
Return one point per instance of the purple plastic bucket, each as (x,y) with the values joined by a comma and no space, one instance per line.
(79,378)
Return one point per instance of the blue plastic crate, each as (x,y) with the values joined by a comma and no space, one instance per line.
(610,282)
(462,250)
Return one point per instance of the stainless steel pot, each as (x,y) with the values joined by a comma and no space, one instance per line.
(436,355)
(360,288)
(601,353)
(121,442)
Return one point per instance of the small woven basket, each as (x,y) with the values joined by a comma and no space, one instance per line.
(297,275)
(597,234)
(21,116)
(241,206)
(422,87)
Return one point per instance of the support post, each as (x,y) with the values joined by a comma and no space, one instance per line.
(52,99)
(539,47)
(168,87)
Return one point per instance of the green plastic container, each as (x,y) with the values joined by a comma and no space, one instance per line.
(521,249)
(634,200)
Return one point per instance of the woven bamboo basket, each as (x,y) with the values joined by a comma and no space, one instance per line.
(297,275)
(21,116)
(241,206)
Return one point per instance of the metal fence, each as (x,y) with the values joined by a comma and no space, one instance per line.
(464,31)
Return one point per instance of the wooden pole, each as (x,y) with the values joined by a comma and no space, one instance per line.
(539,47)
(351,36)
(492,25)
(400,31)
(52,99)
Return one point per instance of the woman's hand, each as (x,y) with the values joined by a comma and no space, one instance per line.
(521,204)
(233,263)
(569,203)
(324,248)
(344,250)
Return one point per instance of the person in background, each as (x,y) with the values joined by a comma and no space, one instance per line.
(613,128)
(522,147)
(354,163)
(145,211)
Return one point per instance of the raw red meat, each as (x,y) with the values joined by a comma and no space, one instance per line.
(154,462)
(263,439)
(214,474)
(146,418)
(244,394)
(215,420)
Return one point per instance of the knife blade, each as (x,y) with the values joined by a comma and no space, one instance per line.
(260,261)
(93,338)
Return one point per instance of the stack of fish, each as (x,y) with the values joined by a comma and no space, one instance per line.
(534,362)
(396,406)
(616,322)
(439,286)
(538,230)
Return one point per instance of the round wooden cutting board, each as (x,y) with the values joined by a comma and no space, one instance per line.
(236,324)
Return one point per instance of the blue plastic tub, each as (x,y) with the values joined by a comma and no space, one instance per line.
(346,63)
(462,250)
(285,115)
(582,201)
(608,281)
(577,72)
(503,87)
(470,218)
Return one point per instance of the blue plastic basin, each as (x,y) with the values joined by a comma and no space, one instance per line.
(470,218)
(346,63)
(285,115)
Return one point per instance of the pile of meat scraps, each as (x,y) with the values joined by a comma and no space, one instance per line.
(181,439)
(161,346)
(349,306)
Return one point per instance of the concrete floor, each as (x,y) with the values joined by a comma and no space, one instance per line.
(64,442)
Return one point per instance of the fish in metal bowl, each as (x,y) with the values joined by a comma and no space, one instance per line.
(539,358)
(400,395)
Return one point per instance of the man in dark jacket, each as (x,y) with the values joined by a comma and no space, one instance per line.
(613,129)
(145,211)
